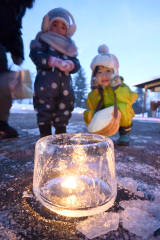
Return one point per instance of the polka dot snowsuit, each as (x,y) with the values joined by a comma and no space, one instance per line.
(54,96)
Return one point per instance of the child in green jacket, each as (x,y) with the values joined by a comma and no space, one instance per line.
(105,83)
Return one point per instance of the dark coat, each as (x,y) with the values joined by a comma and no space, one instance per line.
(54,95)
(11,14)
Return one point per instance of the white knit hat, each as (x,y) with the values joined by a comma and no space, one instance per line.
(62,15)
(106,59)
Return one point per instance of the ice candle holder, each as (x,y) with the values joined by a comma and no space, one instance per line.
(74,174)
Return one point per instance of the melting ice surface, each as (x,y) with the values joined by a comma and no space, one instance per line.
(152,208)
(99,224)
(139,222)
(139,217)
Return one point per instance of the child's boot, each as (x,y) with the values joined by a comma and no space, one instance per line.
(124,139)
(124,133)
(60,130)
(45,130)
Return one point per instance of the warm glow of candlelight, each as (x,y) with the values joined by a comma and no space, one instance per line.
(70,182)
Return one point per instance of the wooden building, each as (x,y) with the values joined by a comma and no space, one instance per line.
(152,84)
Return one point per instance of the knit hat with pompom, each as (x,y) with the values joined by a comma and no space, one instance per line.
(106,59)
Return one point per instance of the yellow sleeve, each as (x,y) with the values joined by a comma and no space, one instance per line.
(93,99)
(88,114)
(124,94)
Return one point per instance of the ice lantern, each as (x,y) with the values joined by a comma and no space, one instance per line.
(74,174)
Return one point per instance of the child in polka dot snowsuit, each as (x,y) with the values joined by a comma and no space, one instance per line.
(54,54)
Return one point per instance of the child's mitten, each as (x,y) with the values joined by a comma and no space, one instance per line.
(63,65)
(94,84)
(67,66)
(54,62)
(115,81)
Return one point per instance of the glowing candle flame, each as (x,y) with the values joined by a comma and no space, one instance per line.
(70,182)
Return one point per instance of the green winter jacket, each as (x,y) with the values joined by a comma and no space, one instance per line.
(125,98)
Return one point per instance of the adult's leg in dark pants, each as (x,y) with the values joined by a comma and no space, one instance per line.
(6,131)
(3,60)
(5,98)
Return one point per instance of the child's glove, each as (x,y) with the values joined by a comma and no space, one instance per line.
(115,81)
(63,65)
(68,67)
(94,84)
(55,62)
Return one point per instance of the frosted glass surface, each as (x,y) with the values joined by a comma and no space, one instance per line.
(74,174)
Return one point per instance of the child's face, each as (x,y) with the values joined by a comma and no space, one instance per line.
(58,27)
(103,76)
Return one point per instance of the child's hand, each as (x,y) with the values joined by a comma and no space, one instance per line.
(54,62)
(115,81)
(70,65)
(94,84)
(66,65)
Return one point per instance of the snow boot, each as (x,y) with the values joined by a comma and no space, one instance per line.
(7,131)
(124,133)
(45,130)
(124,139)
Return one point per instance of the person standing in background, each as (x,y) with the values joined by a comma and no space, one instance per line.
(105,84)
(55,55)
(11,14)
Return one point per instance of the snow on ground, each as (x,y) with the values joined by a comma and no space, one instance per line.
(133,215)
(71,128)
(24,108)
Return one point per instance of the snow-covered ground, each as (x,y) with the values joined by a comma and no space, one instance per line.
(24,108)
(139,217)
